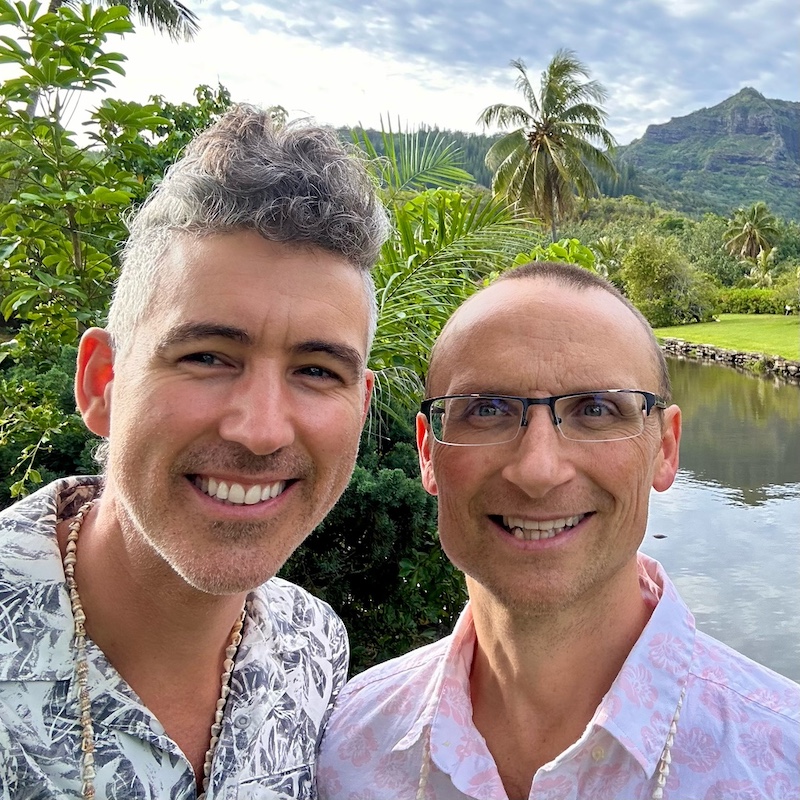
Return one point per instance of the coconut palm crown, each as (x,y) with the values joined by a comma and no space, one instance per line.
(751,230)
(547,160)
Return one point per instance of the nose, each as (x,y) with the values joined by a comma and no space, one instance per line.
(539,458)
(259,414)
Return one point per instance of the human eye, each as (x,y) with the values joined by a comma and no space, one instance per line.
(486,409)
(204,359)
(318,373)
(598,410)
(596,406)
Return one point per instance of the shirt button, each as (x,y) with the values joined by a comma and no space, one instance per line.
(242,721)
(598,753)
(156,727)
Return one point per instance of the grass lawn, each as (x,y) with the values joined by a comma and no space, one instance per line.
(756,333)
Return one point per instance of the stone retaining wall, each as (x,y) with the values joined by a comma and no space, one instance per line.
(750,362)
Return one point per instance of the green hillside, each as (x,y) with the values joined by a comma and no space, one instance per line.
(743,150)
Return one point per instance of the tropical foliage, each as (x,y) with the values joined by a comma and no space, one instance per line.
(558,141)
(62,205)
(751,230)
(446,241)
(165,16)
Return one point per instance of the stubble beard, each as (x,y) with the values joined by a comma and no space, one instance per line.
(255,551)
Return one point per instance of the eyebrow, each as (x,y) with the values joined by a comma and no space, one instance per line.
(192,331)
(348,356)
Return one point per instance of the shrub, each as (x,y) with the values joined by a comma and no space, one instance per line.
(39,425)
(749,301)
(376,558)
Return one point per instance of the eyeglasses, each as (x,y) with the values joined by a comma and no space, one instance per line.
(479,419)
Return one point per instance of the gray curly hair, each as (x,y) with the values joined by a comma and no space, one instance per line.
(295,184)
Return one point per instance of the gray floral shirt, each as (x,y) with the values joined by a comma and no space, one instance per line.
(290,666)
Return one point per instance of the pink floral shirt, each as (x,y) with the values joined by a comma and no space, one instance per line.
(738,737)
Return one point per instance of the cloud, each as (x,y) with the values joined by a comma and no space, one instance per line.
(443,61)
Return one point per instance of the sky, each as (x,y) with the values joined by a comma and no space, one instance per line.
(441,62)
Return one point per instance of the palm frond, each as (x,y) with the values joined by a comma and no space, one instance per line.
(414,161)
(504,116)
(165,16)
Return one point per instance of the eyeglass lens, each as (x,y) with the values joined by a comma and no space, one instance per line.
(594,416)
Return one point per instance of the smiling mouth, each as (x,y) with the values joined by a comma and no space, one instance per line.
(532,530)
(237,494)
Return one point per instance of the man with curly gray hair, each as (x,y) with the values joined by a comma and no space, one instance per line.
(156,655)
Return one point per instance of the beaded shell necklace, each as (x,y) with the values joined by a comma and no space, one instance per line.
(82,669)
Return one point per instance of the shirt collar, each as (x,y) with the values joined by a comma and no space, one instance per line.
(641,703)
(639,706)
(452,670)
(36,626)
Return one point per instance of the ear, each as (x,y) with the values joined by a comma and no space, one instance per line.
(425,461)
(667,459)
(94,377)
(369,385)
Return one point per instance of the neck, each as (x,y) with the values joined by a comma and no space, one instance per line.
(545,675)
(584,642)
(134,601)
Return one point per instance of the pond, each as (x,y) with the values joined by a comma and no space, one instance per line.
(731,521)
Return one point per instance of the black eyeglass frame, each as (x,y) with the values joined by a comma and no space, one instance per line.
(651,401)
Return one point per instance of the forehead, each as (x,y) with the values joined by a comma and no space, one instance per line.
(537,336)
(261,286)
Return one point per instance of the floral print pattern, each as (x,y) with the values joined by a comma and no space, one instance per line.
(738,737)
(290,666)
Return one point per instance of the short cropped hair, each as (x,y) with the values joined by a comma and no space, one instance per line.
(296,185)
(575,277)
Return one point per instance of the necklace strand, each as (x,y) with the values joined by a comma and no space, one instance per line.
(662,770)
(82,669)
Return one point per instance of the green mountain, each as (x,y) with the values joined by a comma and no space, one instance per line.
(743,150)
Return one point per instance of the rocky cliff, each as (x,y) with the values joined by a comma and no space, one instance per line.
(745,149)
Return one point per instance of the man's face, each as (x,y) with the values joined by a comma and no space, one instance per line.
(245,380)
(535,338)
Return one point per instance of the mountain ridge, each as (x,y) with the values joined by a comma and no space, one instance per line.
(744,149)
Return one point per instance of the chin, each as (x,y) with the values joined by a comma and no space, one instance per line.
(229,582)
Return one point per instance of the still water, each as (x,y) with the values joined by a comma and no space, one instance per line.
(732,518)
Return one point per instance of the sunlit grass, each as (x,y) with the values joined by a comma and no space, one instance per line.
(757,333)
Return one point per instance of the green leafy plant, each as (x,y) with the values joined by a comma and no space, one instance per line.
(376,557)
(568,251)
(60,217)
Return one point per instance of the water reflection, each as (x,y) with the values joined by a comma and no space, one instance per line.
(732,519)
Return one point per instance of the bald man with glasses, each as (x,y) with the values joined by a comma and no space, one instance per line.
(575,671)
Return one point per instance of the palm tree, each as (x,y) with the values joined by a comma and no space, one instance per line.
(751,230)
(544,162)
(760,275)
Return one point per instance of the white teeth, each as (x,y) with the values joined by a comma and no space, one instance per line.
(532,530)
(252,496)
(236,494)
